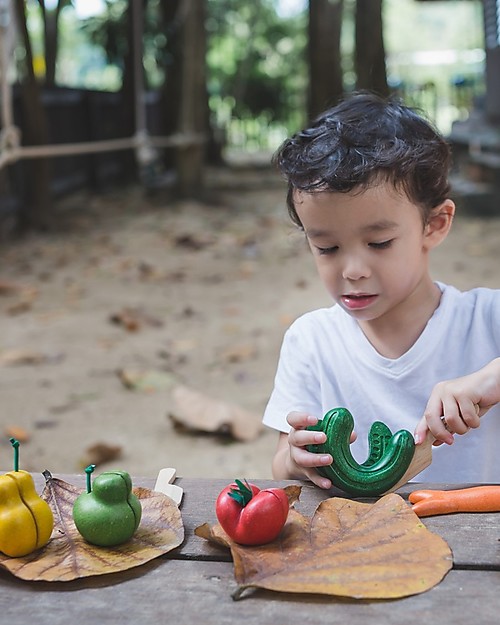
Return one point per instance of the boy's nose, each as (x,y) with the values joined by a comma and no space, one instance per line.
(355,269)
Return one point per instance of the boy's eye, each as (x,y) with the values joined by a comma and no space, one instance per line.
(382,245)
(327,250)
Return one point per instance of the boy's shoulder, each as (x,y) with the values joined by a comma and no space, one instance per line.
(476,295)
(479,304)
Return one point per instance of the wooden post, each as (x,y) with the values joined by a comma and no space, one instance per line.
(192,112)
(492,46)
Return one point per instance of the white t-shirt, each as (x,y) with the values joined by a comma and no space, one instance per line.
(327,362)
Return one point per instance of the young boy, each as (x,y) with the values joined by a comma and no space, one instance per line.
(368,185)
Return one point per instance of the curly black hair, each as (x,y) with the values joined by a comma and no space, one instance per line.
(363,141)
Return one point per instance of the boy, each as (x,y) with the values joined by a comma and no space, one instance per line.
(368,185)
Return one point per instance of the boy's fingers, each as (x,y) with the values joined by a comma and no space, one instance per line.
(420,432)
(304,458)
(434,410)
(300,420)
(301,438)
(469,413)
(317,479)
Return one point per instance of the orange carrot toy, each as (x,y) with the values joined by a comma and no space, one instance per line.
(474,499)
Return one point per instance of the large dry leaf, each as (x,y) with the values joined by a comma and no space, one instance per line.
(68,556)
(348,549)
(197,411)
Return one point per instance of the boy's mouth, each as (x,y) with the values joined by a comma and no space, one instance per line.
(357,301)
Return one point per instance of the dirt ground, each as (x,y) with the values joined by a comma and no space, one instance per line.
(133,295)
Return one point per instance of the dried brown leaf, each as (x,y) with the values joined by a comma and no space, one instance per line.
(127,320)
(146,381)
(68,556)
(197,411)
(99,453)
(293,493)
(26,297)
(348,548)
(8,288)
(12,357)
(194,241)
(17,432)
(239,353)
(133,319)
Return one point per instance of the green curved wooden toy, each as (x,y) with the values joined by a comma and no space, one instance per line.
(389,458)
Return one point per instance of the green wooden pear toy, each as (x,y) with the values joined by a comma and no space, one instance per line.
(109,513)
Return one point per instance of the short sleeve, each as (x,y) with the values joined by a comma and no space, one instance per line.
(296,385)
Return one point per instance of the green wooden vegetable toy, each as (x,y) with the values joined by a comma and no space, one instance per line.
(109,513)
(26,520)
(389,455)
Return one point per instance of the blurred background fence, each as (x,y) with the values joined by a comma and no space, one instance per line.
(241,75)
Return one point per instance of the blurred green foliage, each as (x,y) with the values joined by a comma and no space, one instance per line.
(257,55)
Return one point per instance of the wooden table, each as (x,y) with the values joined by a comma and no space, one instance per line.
(193,584)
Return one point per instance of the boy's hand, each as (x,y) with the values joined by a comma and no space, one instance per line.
(455,406)
(299,461)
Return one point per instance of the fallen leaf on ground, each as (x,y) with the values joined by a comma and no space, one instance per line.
(99,454)
(239,353)
(17,432)
(146,381)
(41,424)
(148,272)
(248,269)
(68,556)
(133,319)
(196,411)
(348,549)
(8,288)
(193,241)
(21,357)
(286,320)
(26,296)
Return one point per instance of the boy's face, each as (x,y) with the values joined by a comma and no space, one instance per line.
(370,249)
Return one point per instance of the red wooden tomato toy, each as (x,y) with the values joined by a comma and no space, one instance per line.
(251,516)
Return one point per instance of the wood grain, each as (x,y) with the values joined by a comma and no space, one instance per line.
(186,592)
(194,583)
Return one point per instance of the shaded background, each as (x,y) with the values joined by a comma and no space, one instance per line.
(144,237)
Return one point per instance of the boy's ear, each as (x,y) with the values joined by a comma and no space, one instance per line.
(439,223)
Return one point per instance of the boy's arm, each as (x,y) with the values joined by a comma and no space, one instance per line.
(292,460)
(456,405)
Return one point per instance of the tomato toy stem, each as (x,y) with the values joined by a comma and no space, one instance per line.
(242,494)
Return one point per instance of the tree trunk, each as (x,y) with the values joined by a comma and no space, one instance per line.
(127,92)
(51,36)
(369,57)
(325,70)
(170,104)
(193,103)
(36,211)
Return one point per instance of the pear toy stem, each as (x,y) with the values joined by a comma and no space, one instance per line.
(15,444)
(89,470)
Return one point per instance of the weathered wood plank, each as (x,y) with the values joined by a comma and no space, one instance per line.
(186,592)
(473,538)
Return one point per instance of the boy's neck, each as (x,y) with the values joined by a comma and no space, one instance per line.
(396,332)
